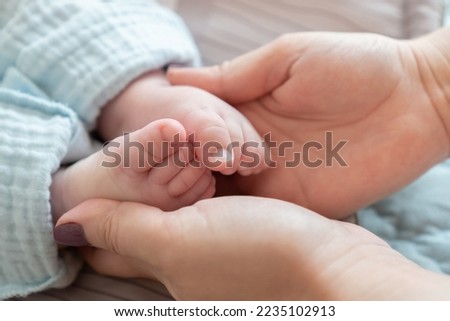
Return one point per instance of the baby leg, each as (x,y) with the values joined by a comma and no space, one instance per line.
(147,166)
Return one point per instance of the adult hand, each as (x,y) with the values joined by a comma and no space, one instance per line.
(387,98)
(243,248)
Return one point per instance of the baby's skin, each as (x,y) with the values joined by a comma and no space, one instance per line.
(219,137)
(149,166)
(208,120)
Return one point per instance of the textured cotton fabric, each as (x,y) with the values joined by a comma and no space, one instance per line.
(34,136)
(60,62)
(82,53)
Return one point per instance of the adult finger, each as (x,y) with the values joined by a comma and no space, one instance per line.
(247,77)
(108,263)
(126,229)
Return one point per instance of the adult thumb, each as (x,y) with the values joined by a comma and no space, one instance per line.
(246,78)
(127,229)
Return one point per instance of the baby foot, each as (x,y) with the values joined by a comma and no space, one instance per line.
(143,167)
(224,140)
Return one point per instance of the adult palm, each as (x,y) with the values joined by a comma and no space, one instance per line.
(244,248)
(373,92)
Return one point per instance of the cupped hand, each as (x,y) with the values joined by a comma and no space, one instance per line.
(371,94)
(241,248)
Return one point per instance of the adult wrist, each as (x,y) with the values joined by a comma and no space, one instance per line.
(384,274)
(432,54)
(353,264)
(414,283)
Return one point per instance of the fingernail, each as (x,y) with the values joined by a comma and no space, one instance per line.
(70,234)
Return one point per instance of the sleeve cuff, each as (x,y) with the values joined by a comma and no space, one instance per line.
(82,53)
(34,137)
